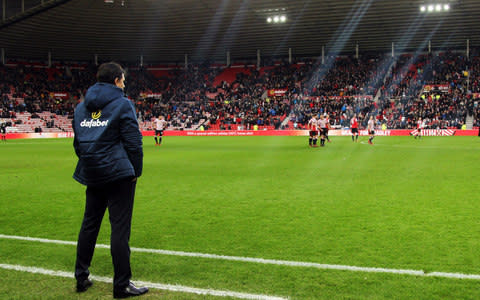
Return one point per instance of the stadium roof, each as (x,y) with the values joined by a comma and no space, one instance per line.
(166,30)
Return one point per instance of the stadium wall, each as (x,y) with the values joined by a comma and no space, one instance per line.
(340,132)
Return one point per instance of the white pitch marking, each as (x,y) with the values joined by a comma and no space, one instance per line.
(160,286)
(263,260)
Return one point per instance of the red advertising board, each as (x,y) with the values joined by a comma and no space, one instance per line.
(46,135)
(337,132)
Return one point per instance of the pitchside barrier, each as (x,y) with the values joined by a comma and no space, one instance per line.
(336,132)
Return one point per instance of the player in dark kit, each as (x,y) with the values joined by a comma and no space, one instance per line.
(3,130)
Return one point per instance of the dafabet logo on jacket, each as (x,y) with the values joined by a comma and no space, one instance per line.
(97,114)
(94,122)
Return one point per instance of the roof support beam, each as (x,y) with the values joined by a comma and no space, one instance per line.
(45,5)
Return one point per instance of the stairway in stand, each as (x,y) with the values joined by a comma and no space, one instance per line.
(469,121)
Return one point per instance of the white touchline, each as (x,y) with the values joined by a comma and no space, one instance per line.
(263,260)
(160,286)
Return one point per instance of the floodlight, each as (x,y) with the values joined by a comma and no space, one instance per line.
(276,19)
(283,18)
(435,7)
(269,20)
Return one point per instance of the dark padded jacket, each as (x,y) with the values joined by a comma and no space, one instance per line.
(107,139)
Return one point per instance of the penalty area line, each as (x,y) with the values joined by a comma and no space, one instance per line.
(288,263)
(154,285)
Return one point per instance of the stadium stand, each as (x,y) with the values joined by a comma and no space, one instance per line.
(442,88)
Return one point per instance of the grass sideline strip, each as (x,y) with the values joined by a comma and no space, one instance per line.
(264,261)
(160,286)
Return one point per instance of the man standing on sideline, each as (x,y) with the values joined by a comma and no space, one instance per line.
(160,125)
(108,144)
(354,128)
(371,130)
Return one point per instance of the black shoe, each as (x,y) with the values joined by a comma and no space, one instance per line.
(83,285)
(129,291)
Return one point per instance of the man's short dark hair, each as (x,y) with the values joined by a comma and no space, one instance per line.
(107,72)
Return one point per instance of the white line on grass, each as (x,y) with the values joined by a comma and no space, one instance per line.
(264,261)
(154,285)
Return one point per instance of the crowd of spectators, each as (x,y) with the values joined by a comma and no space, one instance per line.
(437,88)
(392,90)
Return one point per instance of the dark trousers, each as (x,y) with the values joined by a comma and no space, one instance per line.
(118,197)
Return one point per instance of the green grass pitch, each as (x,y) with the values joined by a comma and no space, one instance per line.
(399,204)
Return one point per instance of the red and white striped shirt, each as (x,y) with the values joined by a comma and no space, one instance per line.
(312,124)
(420,124)
(160,124)
(354,123)
(371,125)
(322,123)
